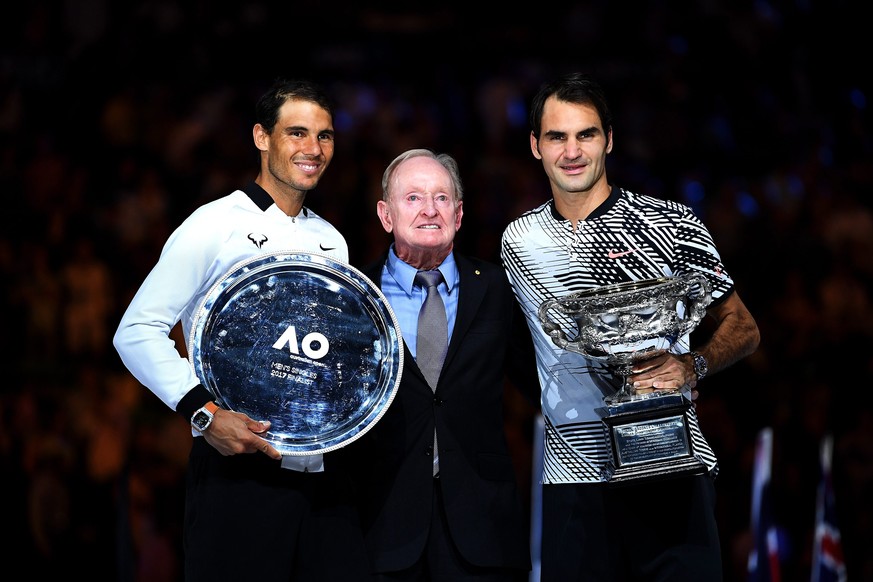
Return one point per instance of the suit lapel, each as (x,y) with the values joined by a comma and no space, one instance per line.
(374,272)
(471,288)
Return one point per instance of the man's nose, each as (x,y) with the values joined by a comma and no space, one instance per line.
(312,146)
(573,149)
(429,205)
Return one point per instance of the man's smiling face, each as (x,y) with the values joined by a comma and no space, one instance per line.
(421,212)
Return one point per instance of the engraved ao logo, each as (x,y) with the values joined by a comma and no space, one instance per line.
(314,344)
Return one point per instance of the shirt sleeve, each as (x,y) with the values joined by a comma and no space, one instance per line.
(696,251)
(169,292)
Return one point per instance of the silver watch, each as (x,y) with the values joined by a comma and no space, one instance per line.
(202,418)
(700,365)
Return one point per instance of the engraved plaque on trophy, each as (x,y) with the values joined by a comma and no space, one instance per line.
(648,433)
(304,341)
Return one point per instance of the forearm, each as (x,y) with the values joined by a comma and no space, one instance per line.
(735,337)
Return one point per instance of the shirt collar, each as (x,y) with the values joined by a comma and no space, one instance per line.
(404,273)
(614,194)
(263,200)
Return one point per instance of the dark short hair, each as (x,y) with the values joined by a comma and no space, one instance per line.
(573,88)
(268,106)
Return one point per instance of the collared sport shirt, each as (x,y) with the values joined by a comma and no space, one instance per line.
(205,247)
(629,237)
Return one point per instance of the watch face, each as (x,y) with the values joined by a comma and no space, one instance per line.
(700,366)
(201,420)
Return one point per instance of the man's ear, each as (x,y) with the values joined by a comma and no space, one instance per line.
(382,211)
(261,137)
(535,146)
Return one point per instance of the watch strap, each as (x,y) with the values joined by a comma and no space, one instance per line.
(701,367)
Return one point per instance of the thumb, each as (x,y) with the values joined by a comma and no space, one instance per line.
(257,426)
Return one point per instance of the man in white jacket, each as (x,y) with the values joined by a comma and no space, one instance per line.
(251,513)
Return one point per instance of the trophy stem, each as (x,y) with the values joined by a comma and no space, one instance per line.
(627,390)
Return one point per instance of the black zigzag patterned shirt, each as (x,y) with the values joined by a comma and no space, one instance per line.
(629,237)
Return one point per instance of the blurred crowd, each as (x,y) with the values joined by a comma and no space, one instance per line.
(116,120)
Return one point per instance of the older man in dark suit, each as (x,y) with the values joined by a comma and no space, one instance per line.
(438,490)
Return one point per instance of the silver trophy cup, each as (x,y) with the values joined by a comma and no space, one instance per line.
(621,324)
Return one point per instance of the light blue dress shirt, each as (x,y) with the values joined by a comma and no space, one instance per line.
(405,298)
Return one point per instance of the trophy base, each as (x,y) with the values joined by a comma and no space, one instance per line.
(649,439)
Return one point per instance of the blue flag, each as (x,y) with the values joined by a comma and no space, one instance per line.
(828,564)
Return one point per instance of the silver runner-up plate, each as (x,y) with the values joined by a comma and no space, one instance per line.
(302,340)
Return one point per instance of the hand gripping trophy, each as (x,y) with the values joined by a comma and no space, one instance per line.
(623,323)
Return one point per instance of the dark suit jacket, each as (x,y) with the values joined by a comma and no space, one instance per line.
(394,458)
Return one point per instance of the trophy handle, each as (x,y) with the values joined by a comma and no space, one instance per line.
(550,327)
(697,305)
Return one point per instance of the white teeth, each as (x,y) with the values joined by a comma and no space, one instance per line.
(429,226)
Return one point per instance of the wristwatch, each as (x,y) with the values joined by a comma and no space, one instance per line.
(202,418)
(700,365)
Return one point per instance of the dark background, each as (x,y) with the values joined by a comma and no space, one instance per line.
(118,118)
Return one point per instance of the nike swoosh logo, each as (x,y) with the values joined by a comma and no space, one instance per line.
(615,255)
(324,248)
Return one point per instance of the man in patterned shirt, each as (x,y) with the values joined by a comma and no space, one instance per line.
(588,235)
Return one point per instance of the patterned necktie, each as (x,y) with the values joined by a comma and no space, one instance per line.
(433,330)
(432,339)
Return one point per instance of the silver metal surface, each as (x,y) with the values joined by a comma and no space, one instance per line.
(304,341)
(620,324)
(650,439)
(648,434)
